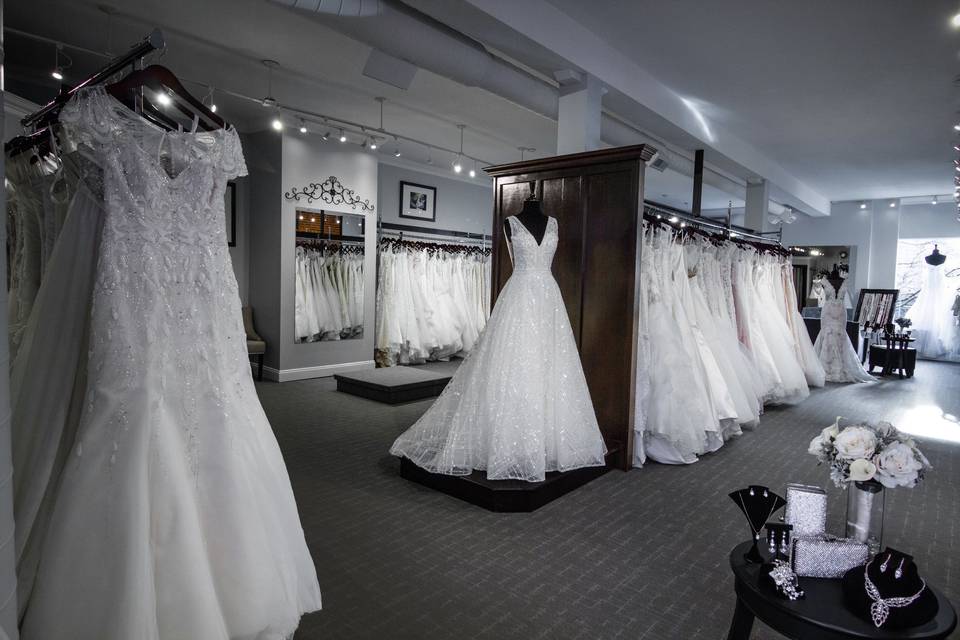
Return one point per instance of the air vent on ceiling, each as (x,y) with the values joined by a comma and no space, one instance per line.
(658,162)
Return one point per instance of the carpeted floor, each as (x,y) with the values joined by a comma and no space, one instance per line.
(632,555)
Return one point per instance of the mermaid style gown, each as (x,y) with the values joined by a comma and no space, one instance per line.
(518,407)
(839,359)
(174,516)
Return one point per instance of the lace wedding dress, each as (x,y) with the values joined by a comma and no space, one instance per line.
(932,316)
(518,406)
(174,516)
(839,359)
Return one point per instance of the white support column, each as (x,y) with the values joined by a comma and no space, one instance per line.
(578,124)
(756,207)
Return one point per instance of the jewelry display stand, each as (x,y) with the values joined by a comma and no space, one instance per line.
(889,592)
(758,504)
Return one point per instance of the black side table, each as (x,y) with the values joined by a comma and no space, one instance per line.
(821,615)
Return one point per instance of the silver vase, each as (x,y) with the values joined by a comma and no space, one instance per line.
(865,503)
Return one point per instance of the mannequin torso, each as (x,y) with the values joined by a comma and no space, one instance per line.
(533,218)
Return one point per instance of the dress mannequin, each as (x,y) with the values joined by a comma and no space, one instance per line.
(936,258)
(532,217)
(835,279)
(884,570)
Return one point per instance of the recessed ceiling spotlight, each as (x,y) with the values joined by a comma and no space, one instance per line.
(893,203)
(863,205)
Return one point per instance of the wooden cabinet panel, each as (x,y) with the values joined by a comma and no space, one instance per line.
(562,199)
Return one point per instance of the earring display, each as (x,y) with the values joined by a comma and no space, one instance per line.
(758,505)
(889,592)
(778,540)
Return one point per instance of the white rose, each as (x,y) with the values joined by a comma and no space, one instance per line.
(897,466)
(862,470)
(856,442)
(816,446)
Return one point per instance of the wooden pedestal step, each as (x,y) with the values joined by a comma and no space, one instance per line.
(507,496)
(392,385)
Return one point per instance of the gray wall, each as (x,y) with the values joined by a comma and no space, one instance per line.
(263,152)
(239,255)
(461,206)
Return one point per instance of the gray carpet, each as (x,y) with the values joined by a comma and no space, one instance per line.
(632,555)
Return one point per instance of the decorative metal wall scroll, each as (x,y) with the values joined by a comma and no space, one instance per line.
(331,191)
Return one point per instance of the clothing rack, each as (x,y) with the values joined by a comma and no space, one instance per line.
(729,230)
(152,42)
(413,232)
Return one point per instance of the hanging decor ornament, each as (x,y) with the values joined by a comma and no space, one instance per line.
(330,191)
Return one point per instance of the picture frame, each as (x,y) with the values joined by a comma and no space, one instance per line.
(230,212)
(418,201)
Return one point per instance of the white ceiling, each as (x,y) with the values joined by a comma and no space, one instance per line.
(854,97)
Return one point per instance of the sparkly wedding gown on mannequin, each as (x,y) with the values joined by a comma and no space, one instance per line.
(932,316)
(839,359)
(518,406)
(174,516)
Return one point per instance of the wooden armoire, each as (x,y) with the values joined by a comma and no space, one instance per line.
(597,199)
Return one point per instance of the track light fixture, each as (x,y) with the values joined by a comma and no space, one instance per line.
(303,126)
(863,205)
(373,144)
(396,150)
(458,161)
(269,100)
(343,136)
(58,67)
(893,203)
(473,172)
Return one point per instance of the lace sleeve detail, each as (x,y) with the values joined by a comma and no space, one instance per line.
(234,166)
(87,119)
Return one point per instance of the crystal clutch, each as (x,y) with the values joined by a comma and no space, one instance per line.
(828,557)
(806,510)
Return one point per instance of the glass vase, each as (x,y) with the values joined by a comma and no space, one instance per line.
(865,513)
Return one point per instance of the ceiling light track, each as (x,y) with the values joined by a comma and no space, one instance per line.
(349,126)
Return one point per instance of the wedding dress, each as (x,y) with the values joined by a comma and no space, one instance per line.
(932,316)
(518,407)
(840,361)
(174,516)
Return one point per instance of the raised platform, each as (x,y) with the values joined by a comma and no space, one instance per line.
(507,496)
(392,385)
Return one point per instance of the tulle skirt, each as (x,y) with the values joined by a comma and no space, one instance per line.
(518,407)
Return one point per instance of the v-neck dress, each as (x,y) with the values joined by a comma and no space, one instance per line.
(518,407)
(175,517)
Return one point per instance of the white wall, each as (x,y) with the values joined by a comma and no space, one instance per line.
(461,206)
(847,225)
(929,221)
(309,159)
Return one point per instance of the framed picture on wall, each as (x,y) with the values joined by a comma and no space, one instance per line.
(230,209)
(418,201)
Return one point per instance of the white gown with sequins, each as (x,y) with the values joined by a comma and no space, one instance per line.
(175,516)
(518,406)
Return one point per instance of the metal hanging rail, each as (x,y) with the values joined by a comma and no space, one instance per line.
(152,42)
(729,230)
(411,231)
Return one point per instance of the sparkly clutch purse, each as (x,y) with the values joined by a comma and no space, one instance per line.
(806,510)
(828,557)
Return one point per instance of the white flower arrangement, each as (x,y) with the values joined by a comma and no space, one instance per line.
(869,453)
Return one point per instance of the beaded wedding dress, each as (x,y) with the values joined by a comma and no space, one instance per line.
(839,359)
(518,406)
(174,516)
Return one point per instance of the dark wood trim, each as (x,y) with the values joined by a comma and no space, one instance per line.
(232,188)
(642,152)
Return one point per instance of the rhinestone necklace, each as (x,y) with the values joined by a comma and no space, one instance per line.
(880,608)
(746,512)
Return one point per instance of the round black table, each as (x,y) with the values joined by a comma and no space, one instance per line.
(821,615)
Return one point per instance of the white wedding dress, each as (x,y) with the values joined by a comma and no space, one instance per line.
(839,359)
(932,316)
(174,517)
(518,407)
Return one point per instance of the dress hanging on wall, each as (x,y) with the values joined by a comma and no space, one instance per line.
(174,515)
(518,407)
